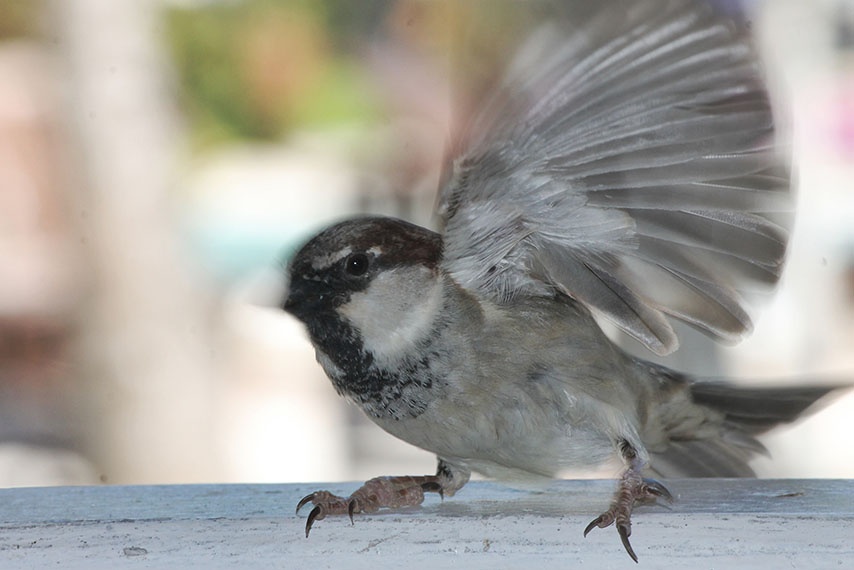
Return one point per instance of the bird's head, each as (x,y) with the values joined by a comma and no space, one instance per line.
(372,283)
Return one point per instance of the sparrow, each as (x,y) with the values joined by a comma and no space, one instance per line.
(622,171)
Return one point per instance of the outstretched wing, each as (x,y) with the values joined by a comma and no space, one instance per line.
(629,164)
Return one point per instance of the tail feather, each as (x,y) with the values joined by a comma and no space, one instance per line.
(739,414)
(756,410)
(702,458)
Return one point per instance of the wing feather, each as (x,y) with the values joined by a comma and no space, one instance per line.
(629,164)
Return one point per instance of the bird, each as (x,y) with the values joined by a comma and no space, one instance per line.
(623,169)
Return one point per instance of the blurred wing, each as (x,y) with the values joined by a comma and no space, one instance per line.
(629,165)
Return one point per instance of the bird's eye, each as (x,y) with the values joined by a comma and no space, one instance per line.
(356,264)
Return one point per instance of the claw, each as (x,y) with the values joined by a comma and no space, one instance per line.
(593,524)
(655,488)
(625,531)
(315,514)
(597,522)
(351,508)
(305,500)
(433,487)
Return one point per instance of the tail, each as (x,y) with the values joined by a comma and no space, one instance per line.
(725,440)
(756,410)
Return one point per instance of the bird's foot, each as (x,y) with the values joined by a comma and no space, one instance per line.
(380,492)
(632,489)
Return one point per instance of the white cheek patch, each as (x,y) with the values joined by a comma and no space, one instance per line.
(396,311)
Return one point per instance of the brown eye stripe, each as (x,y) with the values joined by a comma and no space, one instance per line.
(393,241)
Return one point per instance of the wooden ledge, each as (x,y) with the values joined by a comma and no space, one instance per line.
(714,523)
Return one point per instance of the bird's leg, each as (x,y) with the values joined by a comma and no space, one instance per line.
(383,492)
(633,488)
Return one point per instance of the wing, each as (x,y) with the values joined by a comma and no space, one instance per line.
(629,164)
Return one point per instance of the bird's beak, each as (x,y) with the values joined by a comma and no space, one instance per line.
(292,301)
(301,299)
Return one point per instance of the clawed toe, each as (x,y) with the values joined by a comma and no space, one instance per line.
(624,527)
(654,490)
(315,514)
(433,487)
(352,508)
(325,503)
(305,500)
(602,521)
(625,530)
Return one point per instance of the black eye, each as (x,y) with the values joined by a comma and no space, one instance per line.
(356,264)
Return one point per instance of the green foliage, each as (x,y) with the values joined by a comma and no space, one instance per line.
(260,68)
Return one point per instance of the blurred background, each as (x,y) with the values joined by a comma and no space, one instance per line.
(160,159)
